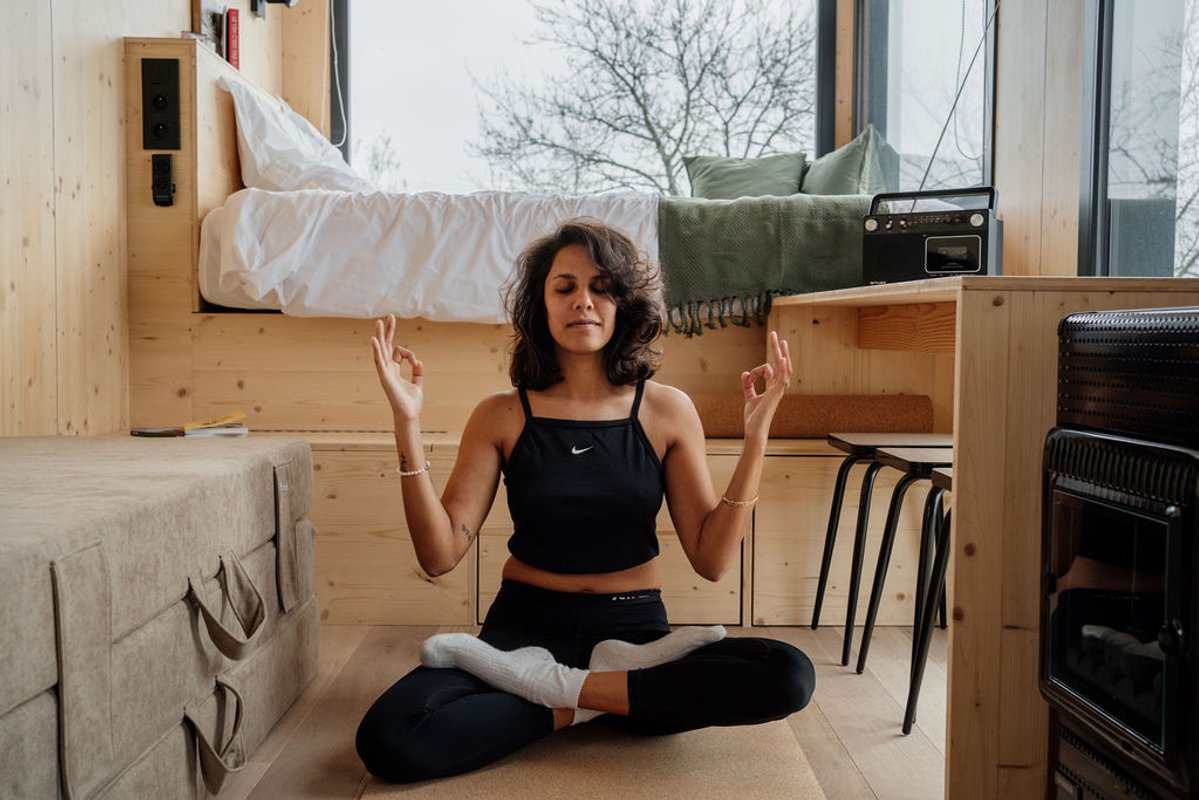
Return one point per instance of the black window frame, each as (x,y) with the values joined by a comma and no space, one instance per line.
(339,69)
(1093,233)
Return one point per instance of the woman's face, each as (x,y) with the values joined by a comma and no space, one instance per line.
(579,309)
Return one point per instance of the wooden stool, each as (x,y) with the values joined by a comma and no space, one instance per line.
(860,447)
(916,463)
(922,636)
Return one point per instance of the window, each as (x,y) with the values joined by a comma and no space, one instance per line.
(577,96)
(1140,192)
(924,82)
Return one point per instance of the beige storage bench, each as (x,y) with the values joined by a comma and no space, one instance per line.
(157,609)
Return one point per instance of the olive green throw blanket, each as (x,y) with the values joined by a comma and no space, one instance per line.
(723,261)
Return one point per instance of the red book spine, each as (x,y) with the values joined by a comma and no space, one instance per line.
(232,32)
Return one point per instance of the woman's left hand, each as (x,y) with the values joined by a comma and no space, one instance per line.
(760,408)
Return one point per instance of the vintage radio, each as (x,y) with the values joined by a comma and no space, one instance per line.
(915,235)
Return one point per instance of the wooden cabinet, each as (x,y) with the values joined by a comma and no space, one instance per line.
(992,376)
(367,573)
(366,570)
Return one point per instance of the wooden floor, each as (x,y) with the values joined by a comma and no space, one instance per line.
(850,732)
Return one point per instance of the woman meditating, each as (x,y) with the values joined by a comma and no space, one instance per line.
(587,446)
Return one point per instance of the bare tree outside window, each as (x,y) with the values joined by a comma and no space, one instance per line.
(381,165)
(645,85)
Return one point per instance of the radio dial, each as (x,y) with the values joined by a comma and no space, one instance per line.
(977,220)
(871,225)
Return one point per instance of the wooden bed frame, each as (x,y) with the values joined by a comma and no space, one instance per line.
(314,376)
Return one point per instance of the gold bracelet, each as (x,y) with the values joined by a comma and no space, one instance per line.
(403,474)
(736,503)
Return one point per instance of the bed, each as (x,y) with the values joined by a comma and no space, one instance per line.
(311,238)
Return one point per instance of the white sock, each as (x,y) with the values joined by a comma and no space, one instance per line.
(613,655)
(529,672)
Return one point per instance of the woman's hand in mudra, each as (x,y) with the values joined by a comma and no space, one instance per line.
(776,374)
(406,396)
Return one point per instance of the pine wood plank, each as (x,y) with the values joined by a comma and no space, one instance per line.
(306,72)
(975,703)
(866,719)
(789,527)
(890,661)
(833,764)
(924,327)
(89,227)
(28,301)
(366,569)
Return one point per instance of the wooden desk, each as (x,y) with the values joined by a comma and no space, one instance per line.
(985,348)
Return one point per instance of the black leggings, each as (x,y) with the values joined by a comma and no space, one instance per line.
(438,722)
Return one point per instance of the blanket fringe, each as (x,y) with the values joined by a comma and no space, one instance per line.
(691,317)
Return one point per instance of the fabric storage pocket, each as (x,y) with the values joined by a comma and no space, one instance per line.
(296,535)
(243,598)
(224,719)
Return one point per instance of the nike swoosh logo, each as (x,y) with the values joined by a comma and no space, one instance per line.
(576,451)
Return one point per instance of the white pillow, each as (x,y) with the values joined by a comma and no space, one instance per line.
(281,151)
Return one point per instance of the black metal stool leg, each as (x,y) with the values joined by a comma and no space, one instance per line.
(880,569)
(941,606)
(928,535)
(859,552)
(830,536)
(924,632)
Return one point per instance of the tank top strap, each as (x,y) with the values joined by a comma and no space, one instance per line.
(524,401)
(637,398)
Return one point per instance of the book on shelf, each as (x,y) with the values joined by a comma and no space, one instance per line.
(232,424)
(232,35)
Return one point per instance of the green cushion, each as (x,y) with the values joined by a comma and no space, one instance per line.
(721,178)
(864,165)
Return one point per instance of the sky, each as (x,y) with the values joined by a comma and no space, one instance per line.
(411,77)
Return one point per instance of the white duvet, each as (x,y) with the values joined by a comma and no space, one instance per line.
(437,256)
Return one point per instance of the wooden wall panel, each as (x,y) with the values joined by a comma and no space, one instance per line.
(28,345)
(1038,133)
(159,242)
(90,226)
(1020,131)
(1063,138)
(306,72)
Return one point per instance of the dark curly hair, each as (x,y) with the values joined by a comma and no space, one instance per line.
(636,289)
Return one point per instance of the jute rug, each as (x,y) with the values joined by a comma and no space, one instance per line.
(592,762)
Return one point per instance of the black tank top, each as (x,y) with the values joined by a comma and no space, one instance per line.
(583,495)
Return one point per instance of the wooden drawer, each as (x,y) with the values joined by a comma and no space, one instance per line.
(789,527)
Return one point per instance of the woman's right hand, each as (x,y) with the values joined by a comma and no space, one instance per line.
(405,396)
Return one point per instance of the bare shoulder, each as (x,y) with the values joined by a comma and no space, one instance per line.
(668,415)
(664,399)
(499,404)
(497,416)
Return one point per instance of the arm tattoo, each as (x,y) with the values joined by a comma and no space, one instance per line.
(403,462)
(466,532)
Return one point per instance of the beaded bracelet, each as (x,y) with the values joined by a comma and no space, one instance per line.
(736,503)
(403,474)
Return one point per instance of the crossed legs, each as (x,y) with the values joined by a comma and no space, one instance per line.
(444,720)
